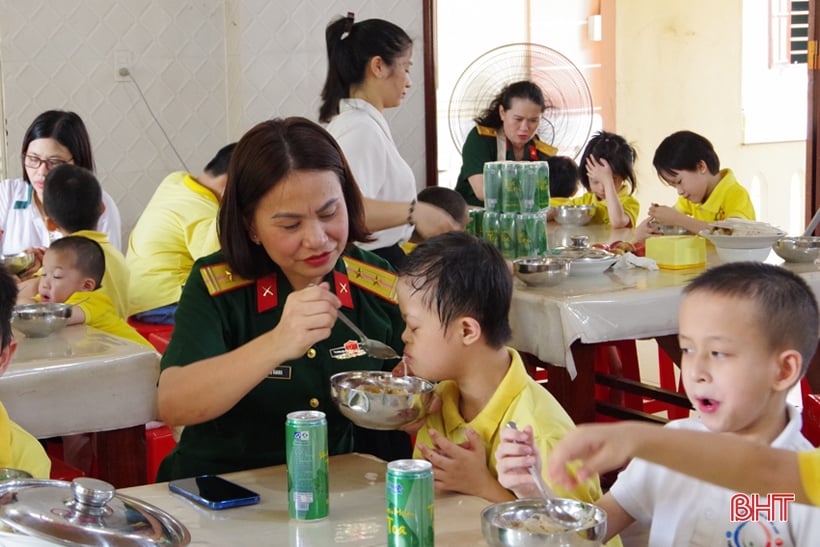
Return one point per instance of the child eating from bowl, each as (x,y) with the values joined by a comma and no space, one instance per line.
(748,332)
(73,268)
(688,163)
(454,293)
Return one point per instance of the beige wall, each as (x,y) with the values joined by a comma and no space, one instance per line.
(678,66)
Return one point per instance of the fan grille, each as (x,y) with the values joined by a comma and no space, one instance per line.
(567,121)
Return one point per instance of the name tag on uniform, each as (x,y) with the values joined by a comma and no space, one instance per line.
(281,373)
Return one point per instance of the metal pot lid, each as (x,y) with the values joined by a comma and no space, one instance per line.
(583,254)
(86,511)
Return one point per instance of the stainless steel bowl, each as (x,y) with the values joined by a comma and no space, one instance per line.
(668,229)
(503,524)
(574,215)
(40,320)
(20,262)
(542,271)
(379,400)
(798,249)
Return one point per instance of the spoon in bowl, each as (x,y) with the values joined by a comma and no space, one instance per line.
(554,509)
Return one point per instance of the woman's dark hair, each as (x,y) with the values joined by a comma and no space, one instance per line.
(524,89)
(263,158)
(68,129)
(682,151)
(350,46)
(616,151)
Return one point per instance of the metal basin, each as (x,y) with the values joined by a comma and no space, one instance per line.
(525,523)
(574,215)
(798,249)
(379,400)
(542,271)
(17,263)
(40,320)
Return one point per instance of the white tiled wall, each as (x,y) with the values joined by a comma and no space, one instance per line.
(209,69)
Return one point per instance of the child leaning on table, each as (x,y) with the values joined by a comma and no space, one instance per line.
(18,449)
(747,331)
(688,163)
(72,273)
(454,293)
(607,172)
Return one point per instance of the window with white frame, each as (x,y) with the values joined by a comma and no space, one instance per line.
(788,32)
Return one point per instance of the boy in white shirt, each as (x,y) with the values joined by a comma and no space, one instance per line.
(748,332)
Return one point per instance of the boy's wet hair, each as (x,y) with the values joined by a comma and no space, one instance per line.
(459,275)
(787,308)
(89,258)
(682,151)
(72,197)
(8,298)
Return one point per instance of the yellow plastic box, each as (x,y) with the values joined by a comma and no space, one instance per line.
(677,252)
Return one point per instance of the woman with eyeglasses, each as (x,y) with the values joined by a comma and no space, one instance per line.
(53,138)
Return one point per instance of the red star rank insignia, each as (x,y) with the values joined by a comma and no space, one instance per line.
(343,289)
(266,297)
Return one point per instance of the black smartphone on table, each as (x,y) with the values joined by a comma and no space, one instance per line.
(214,492)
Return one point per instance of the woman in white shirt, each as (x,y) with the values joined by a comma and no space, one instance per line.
(53,138)
(368,71)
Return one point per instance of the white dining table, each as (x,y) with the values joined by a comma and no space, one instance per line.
(560,325)
(83,380)
(358,514)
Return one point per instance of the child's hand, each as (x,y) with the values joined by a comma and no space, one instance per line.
(513,458)
(599,169)
(648,227)
(664,215)
(600,448)
(459,468)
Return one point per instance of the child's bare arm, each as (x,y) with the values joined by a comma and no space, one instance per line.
(27,290)
(723,459)
(599,169)
(77,316)
(616,518)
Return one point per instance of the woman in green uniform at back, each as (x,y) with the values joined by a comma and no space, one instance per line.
(256,325)
(505,131)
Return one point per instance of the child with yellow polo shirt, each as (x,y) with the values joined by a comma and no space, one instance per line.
(607,172)
(18,449)
(454,293)
(688,162)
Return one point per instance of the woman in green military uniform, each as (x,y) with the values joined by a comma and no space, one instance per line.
(256,324)
(505,131)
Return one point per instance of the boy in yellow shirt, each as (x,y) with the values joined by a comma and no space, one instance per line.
(688,163)
(18,449)
(454,293)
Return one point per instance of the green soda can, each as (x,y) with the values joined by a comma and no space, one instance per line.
(528,187)
(409,496)
(507,240)
(306,455)
(493,181)
(475,226)
(490,227)
(542,186)
(511,189)
(525,226)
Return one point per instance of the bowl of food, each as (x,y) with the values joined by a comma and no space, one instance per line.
(742,240)
(41,319)
(541,271)
(798,249)
(19,262)
(668,229)
(527,522)
(379,400)
(574,215)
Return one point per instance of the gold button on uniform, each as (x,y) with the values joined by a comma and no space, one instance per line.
(311,353)
(314,403)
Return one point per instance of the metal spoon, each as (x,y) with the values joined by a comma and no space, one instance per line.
(554,509)
(373,348)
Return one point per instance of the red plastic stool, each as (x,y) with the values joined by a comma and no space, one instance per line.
(159,441)
(622,354)
(666,377)
(160,340)
(147,329)
(62,471)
